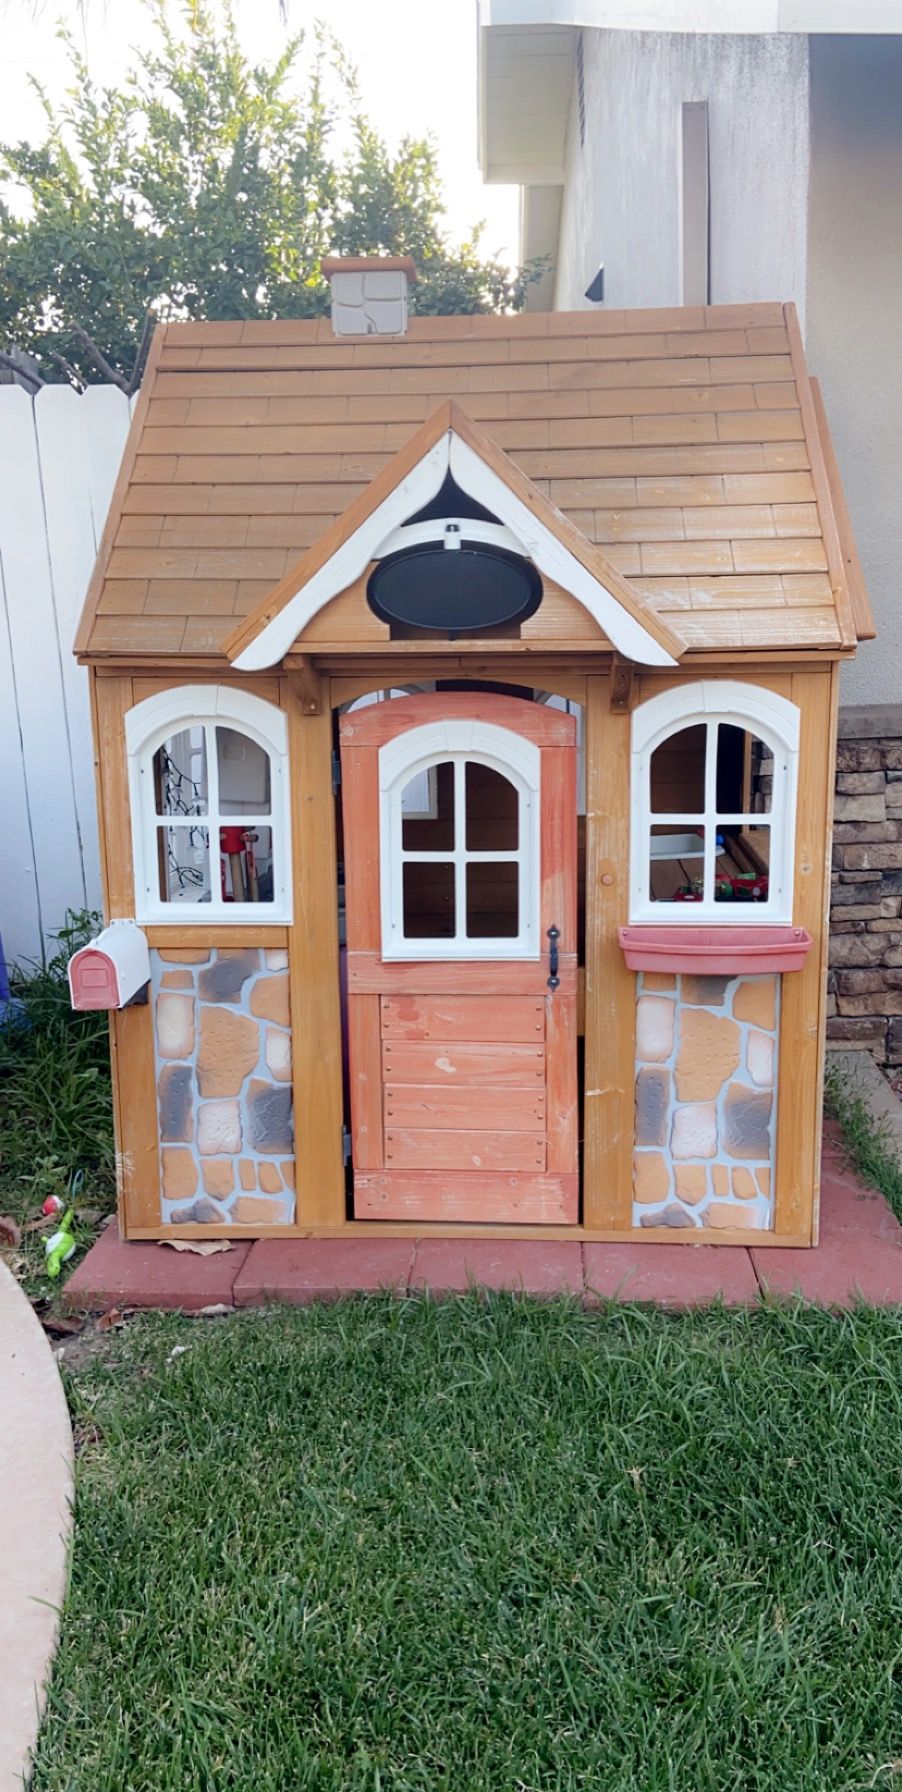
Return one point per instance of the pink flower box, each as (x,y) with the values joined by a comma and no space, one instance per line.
(714,951)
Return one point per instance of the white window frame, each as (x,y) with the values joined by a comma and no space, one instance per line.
(772,719)
(147,726)
(417,750)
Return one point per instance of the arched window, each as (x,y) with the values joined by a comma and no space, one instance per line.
(208,777)
(460,871)
(713,805)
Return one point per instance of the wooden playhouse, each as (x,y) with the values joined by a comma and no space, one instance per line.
(465,696)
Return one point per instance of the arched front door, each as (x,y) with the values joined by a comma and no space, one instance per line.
(460,897)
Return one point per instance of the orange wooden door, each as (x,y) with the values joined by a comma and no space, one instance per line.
(460,893)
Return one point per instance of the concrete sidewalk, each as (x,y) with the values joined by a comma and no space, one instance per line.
(35,1524)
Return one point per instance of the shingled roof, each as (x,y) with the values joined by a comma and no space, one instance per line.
(689,445)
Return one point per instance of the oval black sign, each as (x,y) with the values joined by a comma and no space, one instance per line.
(455,590)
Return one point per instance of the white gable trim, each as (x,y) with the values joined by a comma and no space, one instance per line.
(418,488)
(348,562)
(554,560)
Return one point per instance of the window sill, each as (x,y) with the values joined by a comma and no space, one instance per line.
(715,951)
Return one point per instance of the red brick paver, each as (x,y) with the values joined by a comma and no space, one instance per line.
(451,1265)
(859,1257)
(116,1274)
(671,1275)
(300,1270)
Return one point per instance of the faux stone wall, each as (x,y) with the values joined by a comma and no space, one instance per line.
(706,1073)
(222,1039)
(864,993)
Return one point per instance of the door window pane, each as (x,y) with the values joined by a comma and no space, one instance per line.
(429,828)
(428,900)
(244,781)
(493,818)
(493,904)
(180,774)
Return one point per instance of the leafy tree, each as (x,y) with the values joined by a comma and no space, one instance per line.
(210,187)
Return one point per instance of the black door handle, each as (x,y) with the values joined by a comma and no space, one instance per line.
(554,934)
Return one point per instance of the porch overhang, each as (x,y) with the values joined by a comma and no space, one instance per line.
(450,441)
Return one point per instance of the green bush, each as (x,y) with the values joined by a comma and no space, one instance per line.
(56,1110)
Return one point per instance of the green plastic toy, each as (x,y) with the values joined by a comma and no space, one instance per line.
(60,1246)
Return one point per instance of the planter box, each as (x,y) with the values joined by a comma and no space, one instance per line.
(715,951)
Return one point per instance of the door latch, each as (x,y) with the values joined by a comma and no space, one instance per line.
(554,934)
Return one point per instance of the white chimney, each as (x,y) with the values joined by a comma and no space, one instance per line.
(369,293)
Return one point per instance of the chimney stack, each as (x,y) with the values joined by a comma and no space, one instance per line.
(369,293)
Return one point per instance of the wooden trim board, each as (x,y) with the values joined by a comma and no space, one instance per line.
(430,1229)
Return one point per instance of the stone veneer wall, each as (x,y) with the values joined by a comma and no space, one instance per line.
(222,1040)
(864,993)
(706,1073)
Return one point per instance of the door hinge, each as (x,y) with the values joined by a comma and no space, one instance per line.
(345,1145)
(336,773)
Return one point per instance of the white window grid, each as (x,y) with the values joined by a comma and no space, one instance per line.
(394,856)
(772,720)
(206,823)
(148,727)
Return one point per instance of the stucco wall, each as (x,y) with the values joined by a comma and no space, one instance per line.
(854,318)
(621,204)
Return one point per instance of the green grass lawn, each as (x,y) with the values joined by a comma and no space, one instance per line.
(484,1546)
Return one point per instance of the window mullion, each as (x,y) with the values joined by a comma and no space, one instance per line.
(710,811)
(216,898)
(460,854)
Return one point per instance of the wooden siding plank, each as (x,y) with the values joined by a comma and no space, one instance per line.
(498,977)
(456,1105)
(481,1198)
(360,807)
(313,970)
(610,988)
(802,995)
(366,1091)
(466,1062)
(453,1019)
(562,1093)
(411,1149)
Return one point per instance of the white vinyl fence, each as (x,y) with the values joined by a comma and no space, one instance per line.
(59,456)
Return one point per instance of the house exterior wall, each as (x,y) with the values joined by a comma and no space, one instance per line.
(865,983)
(622,185)
(853,307)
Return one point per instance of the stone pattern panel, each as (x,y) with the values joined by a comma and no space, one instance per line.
(706,1075)
(222,1039)
(864,990)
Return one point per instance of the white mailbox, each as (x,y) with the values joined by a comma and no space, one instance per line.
(112,970)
